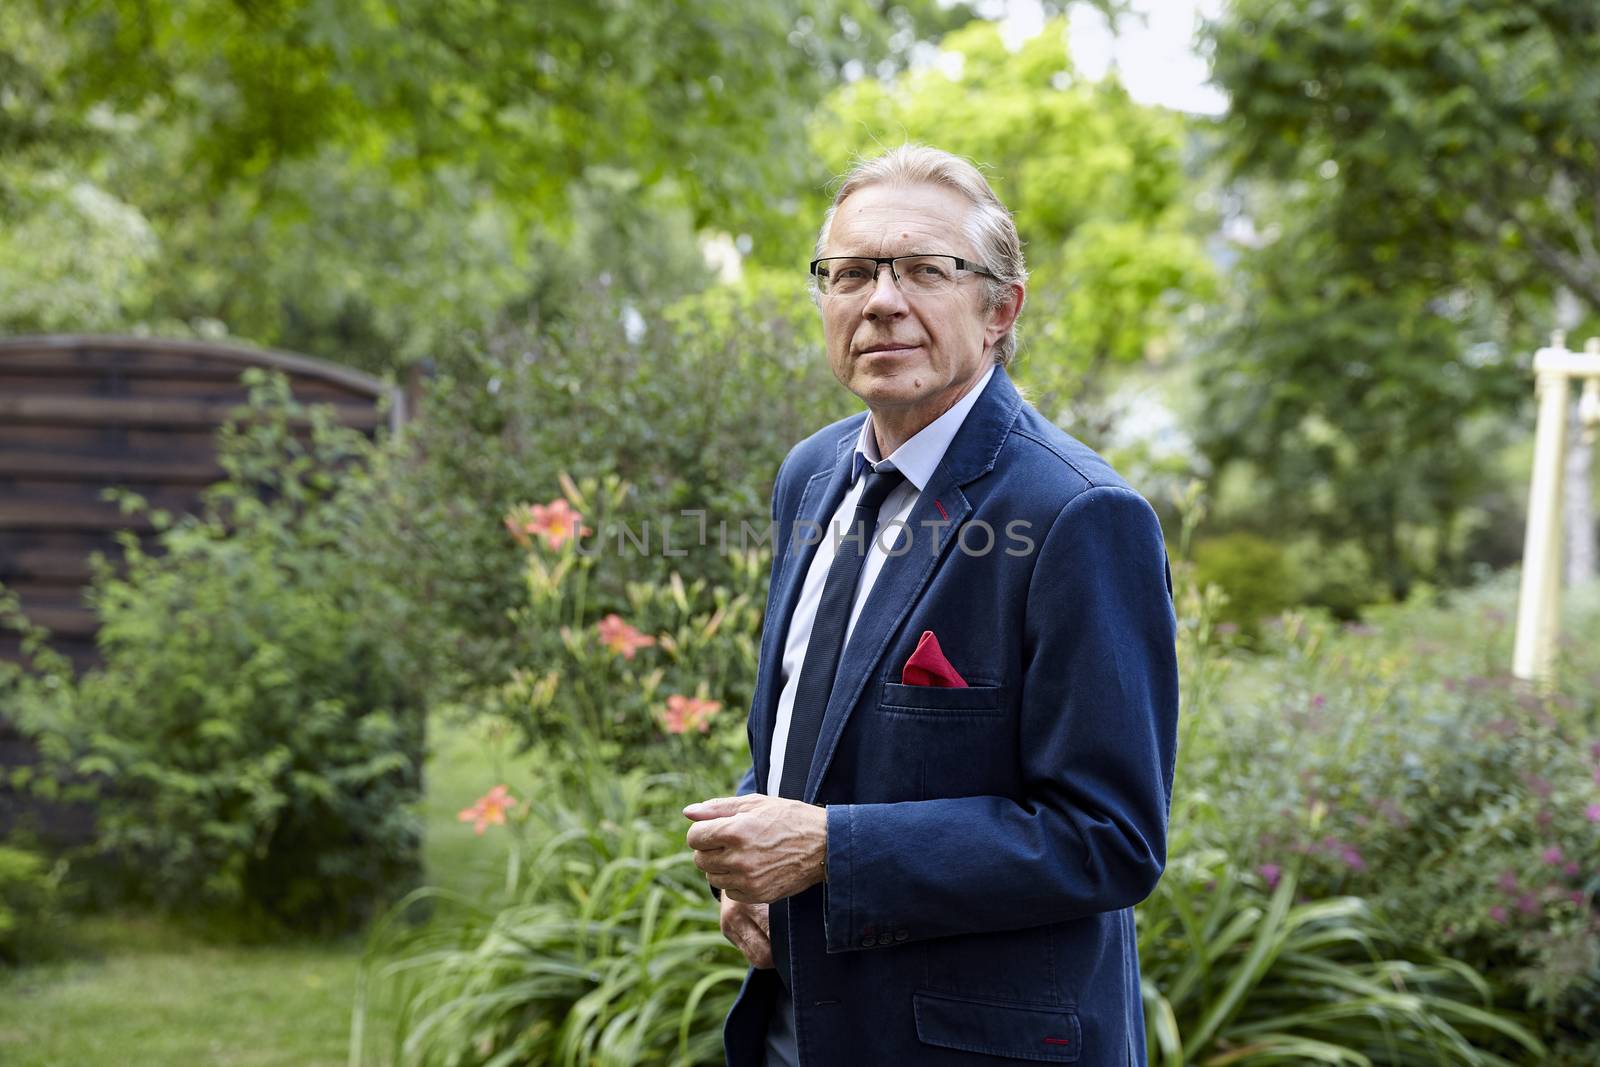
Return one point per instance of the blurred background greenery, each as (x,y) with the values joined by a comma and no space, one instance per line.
(1312,287)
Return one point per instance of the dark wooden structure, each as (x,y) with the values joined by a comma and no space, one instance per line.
(79,414)
(82,413)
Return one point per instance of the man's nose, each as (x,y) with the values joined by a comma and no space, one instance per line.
(886,298)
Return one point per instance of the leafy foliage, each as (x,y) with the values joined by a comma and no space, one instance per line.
(695,413)
(368,182)
(30,898)
(1395,763)
(1458,137)
(615,687)
(1421,182)
(253,740)
(609,953)
(1232,976)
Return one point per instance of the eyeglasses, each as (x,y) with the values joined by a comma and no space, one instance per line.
(918,275)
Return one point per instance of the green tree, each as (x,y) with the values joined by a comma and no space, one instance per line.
(1462,137)
(1423,176)
(364,181)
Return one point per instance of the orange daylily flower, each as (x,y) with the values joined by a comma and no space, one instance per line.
(619,637)
(686,713)
(555,523)
(490,809)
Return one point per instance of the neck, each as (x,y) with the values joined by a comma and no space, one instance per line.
(894,426)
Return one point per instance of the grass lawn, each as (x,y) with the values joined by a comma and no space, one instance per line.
(142,990)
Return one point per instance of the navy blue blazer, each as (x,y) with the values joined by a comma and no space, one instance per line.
(986,845)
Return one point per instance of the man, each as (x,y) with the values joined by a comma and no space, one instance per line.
(963,740)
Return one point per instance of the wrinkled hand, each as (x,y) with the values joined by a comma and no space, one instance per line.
(747,926)
(757,848)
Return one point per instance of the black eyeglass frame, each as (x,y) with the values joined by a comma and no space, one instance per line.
(880,261)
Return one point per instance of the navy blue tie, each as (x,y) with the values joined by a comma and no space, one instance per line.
(821,664)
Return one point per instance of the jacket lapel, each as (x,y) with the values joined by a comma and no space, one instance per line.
(971,454)
(818,502)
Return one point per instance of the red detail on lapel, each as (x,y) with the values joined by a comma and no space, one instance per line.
(927,666)
(943,514)
(1058,1041)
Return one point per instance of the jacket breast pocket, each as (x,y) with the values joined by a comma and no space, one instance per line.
(943,702)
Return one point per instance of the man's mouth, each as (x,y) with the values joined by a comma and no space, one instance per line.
(879,349)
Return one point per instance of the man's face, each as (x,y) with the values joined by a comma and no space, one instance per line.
(908,358)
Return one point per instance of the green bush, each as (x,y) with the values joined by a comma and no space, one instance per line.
(1252,571)
(1396,762)
(29,903)
(694,406)
(252,742)
(637,686)
(607,953)
(1233,974)
(1337,576)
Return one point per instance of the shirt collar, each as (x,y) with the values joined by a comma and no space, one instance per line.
(919,457)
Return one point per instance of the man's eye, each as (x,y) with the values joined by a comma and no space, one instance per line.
(928,270)
(849,274)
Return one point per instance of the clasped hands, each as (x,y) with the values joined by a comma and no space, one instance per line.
(757,849)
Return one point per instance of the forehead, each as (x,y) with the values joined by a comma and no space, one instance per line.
(885,220)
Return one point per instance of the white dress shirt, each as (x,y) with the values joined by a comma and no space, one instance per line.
(917,459)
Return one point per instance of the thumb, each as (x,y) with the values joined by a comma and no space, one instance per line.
(717,807)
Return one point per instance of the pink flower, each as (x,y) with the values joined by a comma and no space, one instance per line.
(490,809)
(555,523)
(1571,869)
(686,713)
(1507,882)
(619,637)
(1576,896)
(1553,855)
(1528,904)
(1353,858)
(1270,873)
(1318,701)
(1497,913)
(1592,813)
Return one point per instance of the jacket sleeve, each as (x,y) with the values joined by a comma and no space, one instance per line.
(1098,739)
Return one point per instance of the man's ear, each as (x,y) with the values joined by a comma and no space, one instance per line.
(1004,317)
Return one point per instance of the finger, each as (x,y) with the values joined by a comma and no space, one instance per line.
(714,833)
(758,950)
(712,863)
(720,807)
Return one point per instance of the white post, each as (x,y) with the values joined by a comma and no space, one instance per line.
(1539,605)
(1541,566)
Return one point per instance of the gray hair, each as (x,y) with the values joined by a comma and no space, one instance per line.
(989,225)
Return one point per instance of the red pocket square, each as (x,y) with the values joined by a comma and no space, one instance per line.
(927,666)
